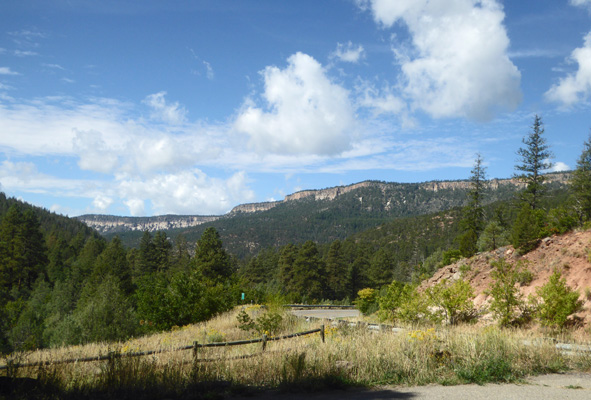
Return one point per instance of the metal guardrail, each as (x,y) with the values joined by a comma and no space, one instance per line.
(304,306)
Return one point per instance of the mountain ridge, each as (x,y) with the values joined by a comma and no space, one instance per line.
(109,224)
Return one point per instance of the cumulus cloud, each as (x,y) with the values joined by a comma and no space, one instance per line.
(306,112)
(559,166)
(173,114)
(348,52)
(458,64)
(575,87)
(187,192)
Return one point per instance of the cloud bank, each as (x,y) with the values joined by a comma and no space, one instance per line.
(447,71)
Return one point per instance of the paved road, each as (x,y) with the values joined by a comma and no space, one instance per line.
(327,313)
(572,386)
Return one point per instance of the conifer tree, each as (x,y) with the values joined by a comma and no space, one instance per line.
(581,183)
(336,271)
(309,272)
(533,161)
(211,259)
(473,214)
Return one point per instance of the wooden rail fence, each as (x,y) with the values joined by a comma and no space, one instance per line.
(195,347)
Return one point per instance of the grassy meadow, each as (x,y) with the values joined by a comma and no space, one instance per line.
(349,356)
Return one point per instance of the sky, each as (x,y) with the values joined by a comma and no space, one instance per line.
(152,107)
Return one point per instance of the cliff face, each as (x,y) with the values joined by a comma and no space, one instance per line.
(112,224)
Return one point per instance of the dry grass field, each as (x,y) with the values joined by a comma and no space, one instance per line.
(350,356)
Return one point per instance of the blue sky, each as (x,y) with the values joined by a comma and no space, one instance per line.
(150,107)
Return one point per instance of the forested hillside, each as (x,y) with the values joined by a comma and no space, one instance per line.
(324,219)
(61,283)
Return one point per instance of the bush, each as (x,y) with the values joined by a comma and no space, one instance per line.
(507,299)
(561,220)
(558,302)
(269,323)
(367,301)
(454,301)
(451,256)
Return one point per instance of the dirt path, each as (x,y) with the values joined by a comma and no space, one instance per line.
(574,386)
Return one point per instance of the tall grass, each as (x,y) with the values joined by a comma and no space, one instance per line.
(350,356)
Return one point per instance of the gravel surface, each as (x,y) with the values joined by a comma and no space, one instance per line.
(575,386)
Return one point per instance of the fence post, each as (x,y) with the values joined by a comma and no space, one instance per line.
(264,341)
(322,332)
(195,350)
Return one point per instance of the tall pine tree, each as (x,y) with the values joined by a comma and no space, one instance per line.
(533,161)
(473,214)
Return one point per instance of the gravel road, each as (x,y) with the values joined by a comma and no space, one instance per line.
(571,386)
(327,313)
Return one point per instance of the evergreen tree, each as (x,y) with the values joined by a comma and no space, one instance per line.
(113,262)
(533,161)
(210,257)
(380,269)
(309,272)
(493,236)
(23,252)
(581,183)
(287,257)
(473,214)
(336,272)
(104,312)
(526,230)
(162,251)
(146,262)
(180,256)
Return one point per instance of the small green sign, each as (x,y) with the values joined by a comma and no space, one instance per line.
(242,296)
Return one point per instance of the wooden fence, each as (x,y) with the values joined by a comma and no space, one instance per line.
(195,347)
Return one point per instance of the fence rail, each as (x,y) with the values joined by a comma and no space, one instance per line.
(195,346)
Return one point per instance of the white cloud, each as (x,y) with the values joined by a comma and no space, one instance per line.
(94,154)
(575,87)
(102,202)
(581,3)
(173,114)
(559,167)
(348,52)
(188,192)
(458,65)
(7,71)
(306,114)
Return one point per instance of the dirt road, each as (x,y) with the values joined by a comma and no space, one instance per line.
(572,386)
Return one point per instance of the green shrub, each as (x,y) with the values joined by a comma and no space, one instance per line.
(367,301)
(454,300)
(269,323)
(506,297)
(451,256)
(558,302)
